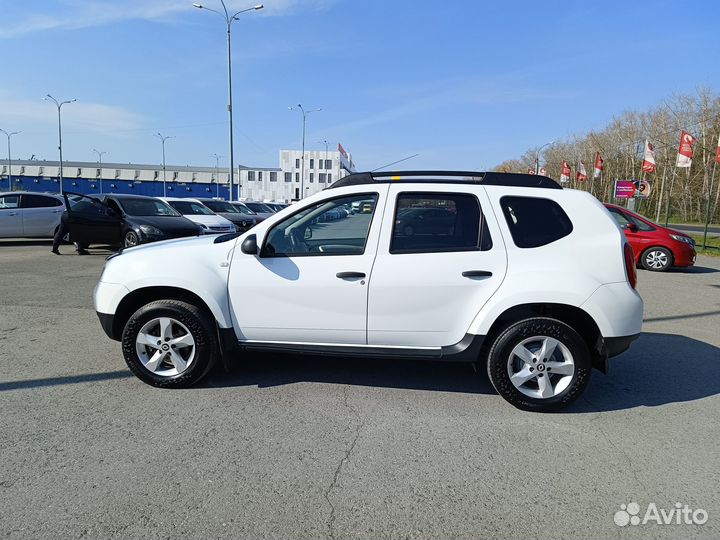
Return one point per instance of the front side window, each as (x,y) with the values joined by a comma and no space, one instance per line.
(10,201)
(535,222)
(326,228)
(641,225)
(620,218)
(438,222)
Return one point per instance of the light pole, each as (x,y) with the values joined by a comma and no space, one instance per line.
(8,135)
(217,174)
(302,162)
(324,141)
(59,105)
(100,155)
(163,139)
(537,157)
(228,20)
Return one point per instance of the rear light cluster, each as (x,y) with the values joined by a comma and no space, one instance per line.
(630,268)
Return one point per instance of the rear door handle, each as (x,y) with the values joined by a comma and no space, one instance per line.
(13,214)
(476,273)
(348,275)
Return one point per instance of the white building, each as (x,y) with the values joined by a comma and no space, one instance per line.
(255,183)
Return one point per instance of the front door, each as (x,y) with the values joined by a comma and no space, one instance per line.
(90,221)
(309,282)
(438,262)
(10,216)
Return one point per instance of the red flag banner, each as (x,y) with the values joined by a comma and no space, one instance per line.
(342,151)
(648,165)
(565,172)
(581,174)
(598,165)
(685,151)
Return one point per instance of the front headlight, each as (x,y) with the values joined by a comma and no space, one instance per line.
(685,239)
(203,226)
(150,230)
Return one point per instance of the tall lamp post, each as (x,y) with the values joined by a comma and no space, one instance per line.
(228,21)
(163,139)
(59,105)
(100,155)
(537,156)
(302,162)
(324,141)
(8,135)
(217,173)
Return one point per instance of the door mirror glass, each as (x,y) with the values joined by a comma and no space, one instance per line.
(249,245)
(632,227)
(308,233)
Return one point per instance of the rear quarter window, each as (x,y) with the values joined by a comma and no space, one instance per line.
(534,221)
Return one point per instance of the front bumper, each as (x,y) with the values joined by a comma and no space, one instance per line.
(106,321)
(684,254)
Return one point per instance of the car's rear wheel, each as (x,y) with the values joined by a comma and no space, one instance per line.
(130,239)
(169,343)
(657,259)
(539,364)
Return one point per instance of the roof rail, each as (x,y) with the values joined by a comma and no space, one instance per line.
(450,177)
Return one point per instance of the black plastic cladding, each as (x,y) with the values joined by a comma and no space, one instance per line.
(463,177)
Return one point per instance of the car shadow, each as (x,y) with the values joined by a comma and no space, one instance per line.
(692,270)
(659,369)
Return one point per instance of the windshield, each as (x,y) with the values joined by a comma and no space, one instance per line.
(191,208)
(259,207)
(243,209)
(221,206)
(146,207)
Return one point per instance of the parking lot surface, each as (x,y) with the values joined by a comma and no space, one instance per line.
(303,447)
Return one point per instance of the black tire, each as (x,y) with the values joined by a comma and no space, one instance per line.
(657,259)
(131,239)
(508,339)
(199,325)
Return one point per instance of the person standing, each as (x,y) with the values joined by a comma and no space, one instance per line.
(62,230)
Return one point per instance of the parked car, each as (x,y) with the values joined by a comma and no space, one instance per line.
(656,248)
(276,206)
(261,209)
(515,287)
(242,220)
(25,214)
(124,220)
(197,212)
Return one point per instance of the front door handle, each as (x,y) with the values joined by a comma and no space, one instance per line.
(476,273)
(349,275)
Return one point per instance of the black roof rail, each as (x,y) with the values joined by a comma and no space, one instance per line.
(450,177)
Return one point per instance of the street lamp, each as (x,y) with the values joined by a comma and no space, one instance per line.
(163,139)
(100,155)
(8,135)
(324,141)
(217,174)
(59,105)
(228,20)
(537,157)
(302,162)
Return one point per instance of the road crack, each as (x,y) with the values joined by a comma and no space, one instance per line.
(359,423)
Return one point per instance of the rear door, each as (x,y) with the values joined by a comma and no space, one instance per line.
(10,216)
(41,214)
(90,221)
(428,285)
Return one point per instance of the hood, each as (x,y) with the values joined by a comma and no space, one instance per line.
(675,232)
(240,219)
(175,243)
(167,224)
(209,220)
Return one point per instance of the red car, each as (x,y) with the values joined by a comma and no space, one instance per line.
(656,248)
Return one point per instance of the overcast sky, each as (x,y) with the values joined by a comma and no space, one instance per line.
(466,84)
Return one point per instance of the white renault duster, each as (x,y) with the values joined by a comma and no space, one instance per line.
(531,281)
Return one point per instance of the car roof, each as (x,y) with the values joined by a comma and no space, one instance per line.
(46,194)
(448,177)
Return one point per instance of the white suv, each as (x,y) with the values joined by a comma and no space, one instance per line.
(509,271)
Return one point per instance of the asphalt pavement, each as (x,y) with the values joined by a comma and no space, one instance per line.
(302,447)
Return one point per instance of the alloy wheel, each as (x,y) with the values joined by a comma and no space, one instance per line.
(165,346)
(656,259)
(540,367)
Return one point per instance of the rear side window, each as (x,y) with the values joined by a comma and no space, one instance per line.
(535,222)
(39,201)
(437,222)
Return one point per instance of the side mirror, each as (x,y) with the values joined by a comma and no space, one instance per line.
(307,235)
(249,245)
(631,227)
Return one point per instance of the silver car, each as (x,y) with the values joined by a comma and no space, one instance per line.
(25,214)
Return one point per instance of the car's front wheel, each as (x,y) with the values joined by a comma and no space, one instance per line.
(657,259)
(169,343)
(539,364)
(131,239)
